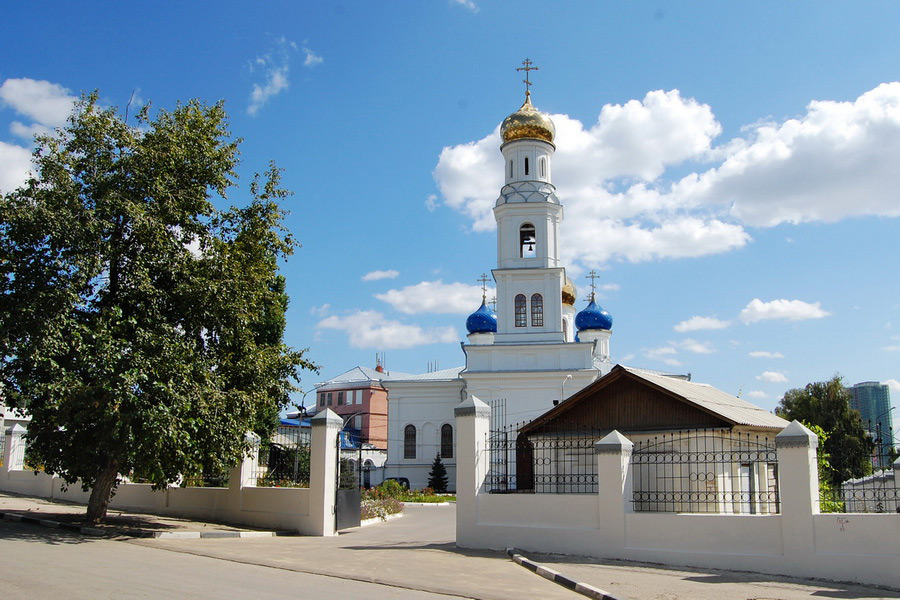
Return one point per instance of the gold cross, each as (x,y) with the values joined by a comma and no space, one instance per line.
(527,67)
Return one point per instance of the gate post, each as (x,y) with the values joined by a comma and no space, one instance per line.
(614,486)
(473,421)
(323,471)
(798,488)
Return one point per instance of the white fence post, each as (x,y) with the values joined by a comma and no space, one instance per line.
(798,485)
(614,487)
(473,422)
(323,453)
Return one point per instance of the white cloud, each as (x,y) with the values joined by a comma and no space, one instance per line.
(701,323)
(757,395)
(431,202)
(275,67)
(836,161)
(772,377)
(833,162)
(610,287)
(466,3)
(664,354)
(435,297)
(781,310)
(892,348)
(15,163)
(320,311)
(48,104)
(697,347)
(370,329)
(893,384)
(376,275)
(765,354)
(312,59)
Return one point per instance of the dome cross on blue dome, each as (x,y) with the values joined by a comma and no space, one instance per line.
(483,320)
(593,316)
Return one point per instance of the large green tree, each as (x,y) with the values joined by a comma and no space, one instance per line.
(827,404)
(140,326)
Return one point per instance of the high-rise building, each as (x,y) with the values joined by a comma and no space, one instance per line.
(873,401)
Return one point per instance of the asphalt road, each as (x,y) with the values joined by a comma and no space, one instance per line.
(48,563)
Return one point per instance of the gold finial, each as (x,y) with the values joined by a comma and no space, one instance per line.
(592,276)
(483,279)
(526,66)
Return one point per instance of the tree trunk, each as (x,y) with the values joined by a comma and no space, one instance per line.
(101,493)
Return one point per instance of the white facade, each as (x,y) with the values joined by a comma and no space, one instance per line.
(532,360)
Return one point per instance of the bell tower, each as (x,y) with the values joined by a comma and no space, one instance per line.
(528,275)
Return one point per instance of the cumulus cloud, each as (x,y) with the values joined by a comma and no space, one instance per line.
(44,105)
(664,354)
(781,310)
(765,354)
(893,384)
(837,160)
(370,329)
(320,311)
(697,347)
(15,163)
(757,395)
(772,377)
(376,275)
(435,297)
(698,323)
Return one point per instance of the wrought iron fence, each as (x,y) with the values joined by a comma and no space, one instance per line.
(283,461)
(876,490)
(705,471)
(561,461)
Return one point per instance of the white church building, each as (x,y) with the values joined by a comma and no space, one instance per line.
(535,350)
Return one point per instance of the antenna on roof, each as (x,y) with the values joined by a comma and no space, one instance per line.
(379,362)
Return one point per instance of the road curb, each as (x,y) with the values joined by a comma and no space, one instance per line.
(140,533)
(584,589)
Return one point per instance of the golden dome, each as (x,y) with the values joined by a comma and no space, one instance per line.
(527,122)
(568,293)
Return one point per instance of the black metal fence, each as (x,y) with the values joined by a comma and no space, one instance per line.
(284,460)
(560,462)
(705,471)
(875,490)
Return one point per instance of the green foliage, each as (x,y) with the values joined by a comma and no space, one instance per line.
(828,496)
(140,326)
(390,488)
(437,478)
(846,445)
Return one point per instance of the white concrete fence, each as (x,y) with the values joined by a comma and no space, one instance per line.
(798,541)
(308,511)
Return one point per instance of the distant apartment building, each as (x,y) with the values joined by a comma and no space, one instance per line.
(873,401)
(358,397)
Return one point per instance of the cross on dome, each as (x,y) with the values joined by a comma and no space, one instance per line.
(526,66)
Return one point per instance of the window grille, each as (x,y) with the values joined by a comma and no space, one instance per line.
(521,316)
(446,441)
(537,310)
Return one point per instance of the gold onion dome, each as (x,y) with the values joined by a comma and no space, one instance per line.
(568,293)
(527,122)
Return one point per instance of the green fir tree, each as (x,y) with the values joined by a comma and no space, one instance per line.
(437,478)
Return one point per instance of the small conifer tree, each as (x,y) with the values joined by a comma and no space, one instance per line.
(437,478)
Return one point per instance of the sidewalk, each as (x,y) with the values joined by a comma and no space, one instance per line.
(419,552)
(67,515)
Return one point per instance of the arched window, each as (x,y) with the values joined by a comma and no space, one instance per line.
(510,169)
(521,316)
(526,165)
(409,441)
(537,310)
(527,241)
(446,440)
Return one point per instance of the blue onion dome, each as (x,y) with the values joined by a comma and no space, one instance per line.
(482,320)
(593,317)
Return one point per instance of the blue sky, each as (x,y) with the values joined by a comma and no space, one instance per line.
(730,169)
